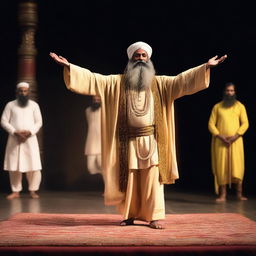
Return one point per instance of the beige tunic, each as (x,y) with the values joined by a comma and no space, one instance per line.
(144,198)
(142,150)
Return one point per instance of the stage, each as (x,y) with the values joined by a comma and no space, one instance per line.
(64,223)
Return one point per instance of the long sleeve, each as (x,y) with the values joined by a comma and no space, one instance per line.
(83,81)
(187,82)
(243,121)
(5,120)
(213,121)
(37,120)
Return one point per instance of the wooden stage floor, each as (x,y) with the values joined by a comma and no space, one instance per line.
(177,202)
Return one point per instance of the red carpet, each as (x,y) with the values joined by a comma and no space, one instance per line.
(79,230)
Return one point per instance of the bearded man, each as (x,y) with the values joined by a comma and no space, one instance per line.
(138,137)
(228,122)
(22,119)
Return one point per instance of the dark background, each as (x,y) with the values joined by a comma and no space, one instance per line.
(95,35)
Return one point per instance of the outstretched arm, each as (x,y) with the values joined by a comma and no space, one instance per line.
(192,80)
(59,60)
(213,62)
(83,81)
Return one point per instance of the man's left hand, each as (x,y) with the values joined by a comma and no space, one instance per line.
(215,61)
(26,134)
(231,139)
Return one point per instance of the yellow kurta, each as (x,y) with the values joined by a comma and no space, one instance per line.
(225,160)
(83,81)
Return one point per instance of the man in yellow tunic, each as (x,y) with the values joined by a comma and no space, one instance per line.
(138,131)
(227,124)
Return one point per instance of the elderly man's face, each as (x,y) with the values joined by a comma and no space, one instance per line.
(140,55)
(23,91)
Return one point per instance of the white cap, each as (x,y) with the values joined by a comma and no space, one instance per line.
(23,84)
(139,45)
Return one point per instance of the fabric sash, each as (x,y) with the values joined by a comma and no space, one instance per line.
(134,132)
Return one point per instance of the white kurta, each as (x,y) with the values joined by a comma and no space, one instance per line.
(25,156)
(93,140)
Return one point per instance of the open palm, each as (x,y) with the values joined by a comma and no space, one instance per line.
(59,59)
(216,61)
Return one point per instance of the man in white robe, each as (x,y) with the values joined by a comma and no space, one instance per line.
(93,139)
(22,120)
(138,131)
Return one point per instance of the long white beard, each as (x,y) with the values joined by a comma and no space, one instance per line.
(139,75)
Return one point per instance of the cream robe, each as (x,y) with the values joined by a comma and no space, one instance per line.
(83,81)
(25,156)
(225,160)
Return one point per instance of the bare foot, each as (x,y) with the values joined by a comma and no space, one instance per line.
(155,224)
(127,222)
(34,195)
(220,199)
(242,198)
(13,195)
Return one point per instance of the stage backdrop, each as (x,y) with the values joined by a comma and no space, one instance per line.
(95,35)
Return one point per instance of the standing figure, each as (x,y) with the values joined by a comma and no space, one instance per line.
(22,119)
(93,139)
(138,130)
(228,123)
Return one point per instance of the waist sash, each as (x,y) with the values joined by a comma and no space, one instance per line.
(141,131)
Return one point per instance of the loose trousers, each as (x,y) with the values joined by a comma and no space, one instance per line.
(144,198)
(33,178)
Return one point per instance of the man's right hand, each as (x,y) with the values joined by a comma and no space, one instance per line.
(224,140)
(59,59)
(20,136)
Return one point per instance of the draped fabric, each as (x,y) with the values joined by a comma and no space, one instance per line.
(111,89)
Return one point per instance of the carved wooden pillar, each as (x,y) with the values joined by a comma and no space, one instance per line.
(27,21)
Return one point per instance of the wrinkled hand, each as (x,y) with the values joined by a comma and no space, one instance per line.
(213,62)
(59,59)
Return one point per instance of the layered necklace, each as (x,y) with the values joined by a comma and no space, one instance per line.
(134,99)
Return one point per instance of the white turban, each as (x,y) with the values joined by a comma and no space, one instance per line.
(138,45)
(23,84)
